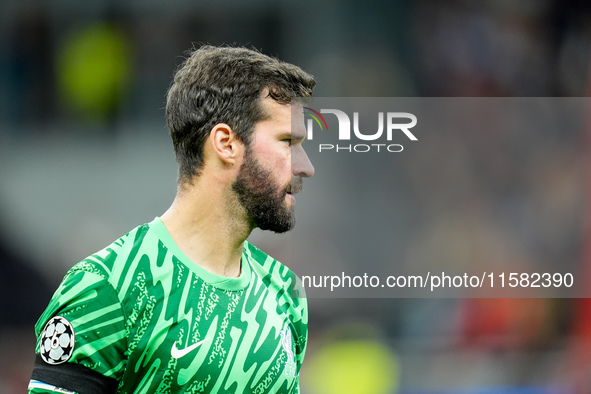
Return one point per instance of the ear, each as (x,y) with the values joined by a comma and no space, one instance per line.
(226,144)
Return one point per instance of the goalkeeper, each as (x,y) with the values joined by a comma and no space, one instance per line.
(184,304)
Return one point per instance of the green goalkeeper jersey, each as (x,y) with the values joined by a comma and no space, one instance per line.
(140,317)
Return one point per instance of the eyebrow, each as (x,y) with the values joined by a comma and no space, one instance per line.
(298,137)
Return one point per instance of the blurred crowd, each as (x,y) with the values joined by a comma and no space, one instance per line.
(90,72)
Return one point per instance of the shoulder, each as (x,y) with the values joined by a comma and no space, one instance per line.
(119,258)
(280,280)
(102,262)
(96,279)
(93,293)
(271,270)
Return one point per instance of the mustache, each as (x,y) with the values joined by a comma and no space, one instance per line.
(296,185)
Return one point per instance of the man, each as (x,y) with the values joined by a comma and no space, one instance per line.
(185,304)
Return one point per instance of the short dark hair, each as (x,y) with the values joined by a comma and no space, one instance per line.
(224,85)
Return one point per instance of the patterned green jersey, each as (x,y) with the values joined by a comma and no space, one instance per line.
(145,317)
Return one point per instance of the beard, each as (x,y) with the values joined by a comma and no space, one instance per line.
(263,198)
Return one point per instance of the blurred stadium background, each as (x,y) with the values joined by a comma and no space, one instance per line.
(85,157)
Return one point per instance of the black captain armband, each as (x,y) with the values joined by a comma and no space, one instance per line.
(73,377)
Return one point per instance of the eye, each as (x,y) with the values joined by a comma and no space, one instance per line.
(287,141)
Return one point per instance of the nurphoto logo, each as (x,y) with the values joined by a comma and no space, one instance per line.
(395,122)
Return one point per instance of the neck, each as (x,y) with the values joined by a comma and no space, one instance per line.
(209,226)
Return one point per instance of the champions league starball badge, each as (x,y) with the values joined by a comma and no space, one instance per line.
(57,341)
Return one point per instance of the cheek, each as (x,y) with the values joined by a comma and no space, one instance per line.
(286,165)
(280,167)
(278,160)
(275,156)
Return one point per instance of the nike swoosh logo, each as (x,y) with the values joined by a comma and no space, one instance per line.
(178,353)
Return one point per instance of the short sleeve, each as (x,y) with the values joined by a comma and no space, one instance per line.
(84,325)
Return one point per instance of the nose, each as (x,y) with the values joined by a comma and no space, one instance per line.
(300,163)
